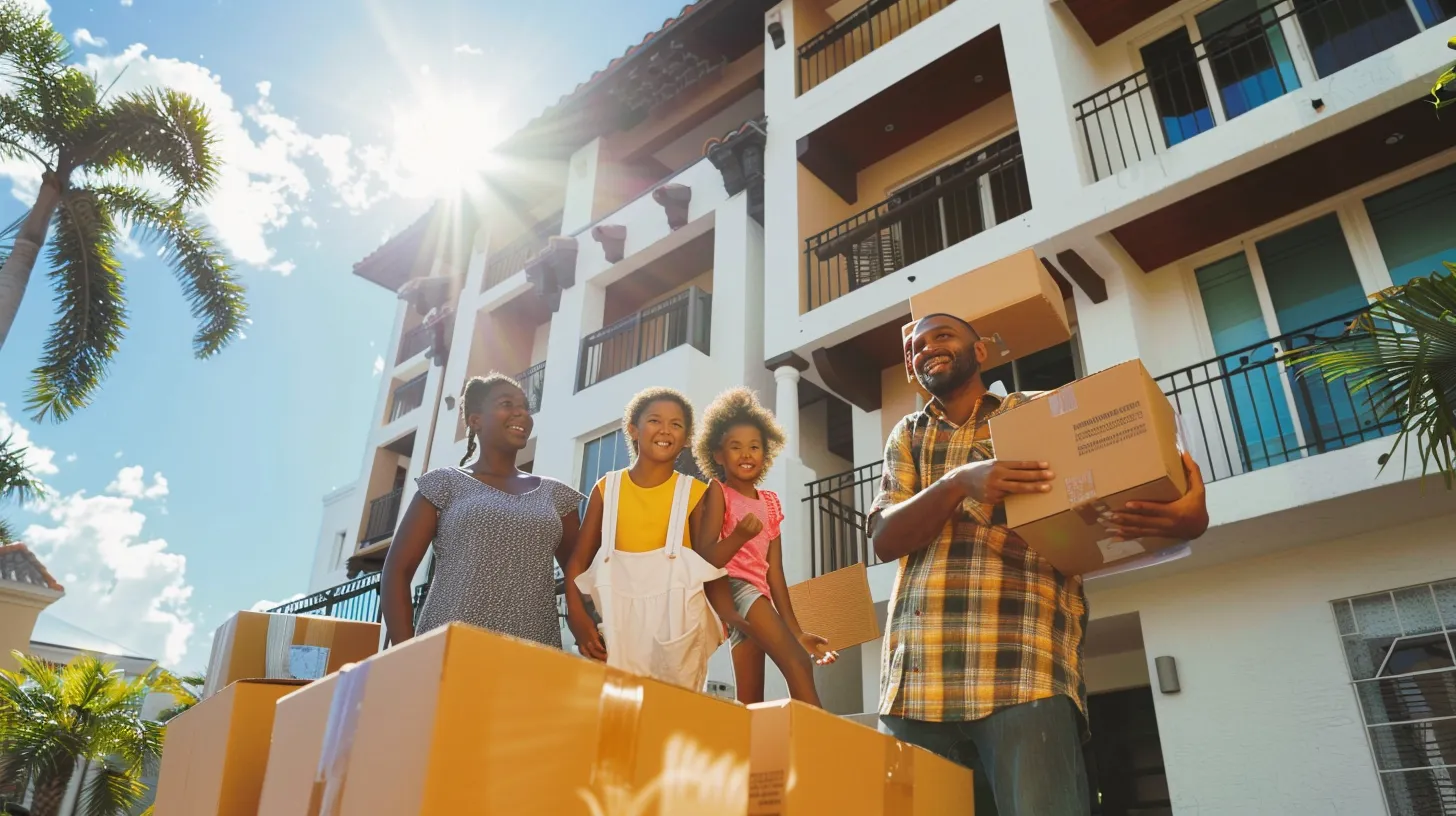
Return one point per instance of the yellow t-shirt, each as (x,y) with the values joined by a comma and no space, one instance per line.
(643,512)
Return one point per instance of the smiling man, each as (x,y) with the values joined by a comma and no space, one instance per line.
(983,652)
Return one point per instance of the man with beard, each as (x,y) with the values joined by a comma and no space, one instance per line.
(983,652)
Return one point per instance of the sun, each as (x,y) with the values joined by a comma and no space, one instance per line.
(443,142)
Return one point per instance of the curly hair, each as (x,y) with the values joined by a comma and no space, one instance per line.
(472,401)
(732,408)
(638,406)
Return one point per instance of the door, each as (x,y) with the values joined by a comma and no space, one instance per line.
(1125,772)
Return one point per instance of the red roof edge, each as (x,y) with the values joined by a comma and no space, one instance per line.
(24,552)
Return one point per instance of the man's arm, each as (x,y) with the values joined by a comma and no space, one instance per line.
(1183,519)
(913,524)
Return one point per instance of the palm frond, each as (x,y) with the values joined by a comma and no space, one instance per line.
(7,532)
(112,791)
(164,131)
(92,310)
(28,40)
(16,481)
(1403,357)
(215,294)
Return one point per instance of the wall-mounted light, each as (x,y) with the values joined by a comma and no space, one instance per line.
(1394,138)
(1167,674)
(449,403)
(776,28)
(1317,104)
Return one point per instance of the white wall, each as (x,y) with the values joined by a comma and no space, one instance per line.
(340,517)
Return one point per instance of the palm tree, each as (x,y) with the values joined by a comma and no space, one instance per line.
(53,719)
(16,482)
(87,147)
(1403,359)
(186,689)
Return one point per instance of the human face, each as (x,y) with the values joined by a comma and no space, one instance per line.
(661,431)
(945,355)
(741,454)
(504,421)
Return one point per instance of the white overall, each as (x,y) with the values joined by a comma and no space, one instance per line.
(656,621)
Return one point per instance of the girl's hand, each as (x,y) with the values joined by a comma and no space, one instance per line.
(588,638)
(818,648)
(748,527)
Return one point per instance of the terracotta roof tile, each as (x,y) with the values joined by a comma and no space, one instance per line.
(14,557)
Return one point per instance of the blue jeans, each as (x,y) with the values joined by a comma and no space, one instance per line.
(1027,759)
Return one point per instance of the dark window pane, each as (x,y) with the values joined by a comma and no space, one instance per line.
(1247,52)
(1340,33)
(1177,87)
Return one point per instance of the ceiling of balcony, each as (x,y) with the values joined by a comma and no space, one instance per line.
(1105,19)
(1346,160)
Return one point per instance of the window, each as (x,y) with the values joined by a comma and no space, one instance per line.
(1247,53)
(1398,648)
(339,548)
(1412,225)
(600,457)
(1045,370)
(1342,33)
(1177,86)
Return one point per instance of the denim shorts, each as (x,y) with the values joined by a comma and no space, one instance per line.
(744,596)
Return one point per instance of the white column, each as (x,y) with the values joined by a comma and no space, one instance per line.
(782,262)
(581,187)
(786,406)
(556,442)
(1054,158)
(788,477)
(869,436)
(735,258)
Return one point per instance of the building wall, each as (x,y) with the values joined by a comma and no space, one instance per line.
(339,519)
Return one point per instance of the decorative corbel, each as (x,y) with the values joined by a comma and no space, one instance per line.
(612,237)
(674,199)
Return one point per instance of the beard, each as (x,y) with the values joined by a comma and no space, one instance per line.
(942,384)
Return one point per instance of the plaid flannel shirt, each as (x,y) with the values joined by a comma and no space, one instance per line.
(977,620)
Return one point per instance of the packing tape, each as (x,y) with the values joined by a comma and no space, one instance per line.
(219,662)
(619,712)
(280,640)
(1062,400)
(996,342)
(1084,501)
(899,779)
(327,795)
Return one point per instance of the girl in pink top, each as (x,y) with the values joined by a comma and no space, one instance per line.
(737,444)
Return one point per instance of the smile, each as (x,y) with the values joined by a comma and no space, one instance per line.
(516,428)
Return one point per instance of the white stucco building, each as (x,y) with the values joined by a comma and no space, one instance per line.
(1211,182)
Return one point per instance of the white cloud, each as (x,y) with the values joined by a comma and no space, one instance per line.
(40,460)
(116,455)
(83,38)
(308,221)
(70,457)
(127,3)
(467,48)
(284,268)
(131,483)
(264,606)
(378,365)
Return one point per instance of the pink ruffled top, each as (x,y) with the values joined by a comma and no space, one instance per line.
(751,563)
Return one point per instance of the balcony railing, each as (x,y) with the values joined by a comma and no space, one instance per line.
(383,513)
(858,33)
(838,509)
(356,600)
(1249,409)
(533,382)
(414,341)
(953,204)
(512,258)
(683,319)
(407,397)
(1243,66)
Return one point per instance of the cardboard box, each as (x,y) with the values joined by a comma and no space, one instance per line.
(1109,438)
(298,739)
(838,766)
(462,720)
(1014,299)
(216,752)
(837,606)
(261,645)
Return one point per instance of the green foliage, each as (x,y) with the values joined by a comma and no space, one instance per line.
(16,482)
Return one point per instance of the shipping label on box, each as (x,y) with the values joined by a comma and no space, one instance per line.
(263,645)
(1109,438)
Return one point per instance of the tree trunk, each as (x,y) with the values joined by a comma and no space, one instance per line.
(50,791)
(15,275)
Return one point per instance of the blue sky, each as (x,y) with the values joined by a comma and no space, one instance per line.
(191,489)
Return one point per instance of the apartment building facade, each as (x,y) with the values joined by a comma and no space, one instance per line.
(753,194)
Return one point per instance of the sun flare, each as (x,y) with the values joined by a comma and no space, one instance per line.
(443,142)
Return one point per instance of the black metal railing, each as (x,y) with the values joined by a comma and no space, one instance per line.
(1248,64)
(356,600)
(533,382)
(859,32)
(953,204)
(407,397)
(415,341)
(839,506)
(383,513)
(1251,408)
(512,258)
(683,319)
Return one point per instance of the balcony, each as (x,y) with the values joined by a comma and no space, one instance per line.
(683,319)
(1249,409)
(414,342)
(838,509)
(512,258)
(951,205)
(407,397)
(356,600)
(854,36)
(383,513)
(1187,88)
(533,382)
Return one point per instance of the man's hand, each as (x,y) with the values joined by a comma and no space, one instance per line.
(818,648)
(991,481)
(588,638)
(1183,519)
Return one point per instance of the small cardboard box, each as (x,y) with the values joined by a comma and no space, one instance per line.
(216,752)
(298,739)
(466,721)
(1109,438)
(837,606)
(1014,299)
(838,766)
(262,645)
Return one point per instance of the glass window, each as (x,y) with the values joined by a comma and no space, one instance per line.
(1435,11)
(601,456)
(1247,52)
(1412,225)
(1340,33)
(1177,87)
(1045,370)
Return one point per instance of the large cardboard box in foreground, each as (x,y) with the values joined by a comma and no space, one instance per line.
(808,762)
(259,645)
(298,739)
(216,752)
(1109,438)
(1014,299)
(837,606)
(466,721)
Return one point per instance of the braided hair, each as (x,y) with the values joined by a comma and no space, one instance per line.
(472,401)
(644,398)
